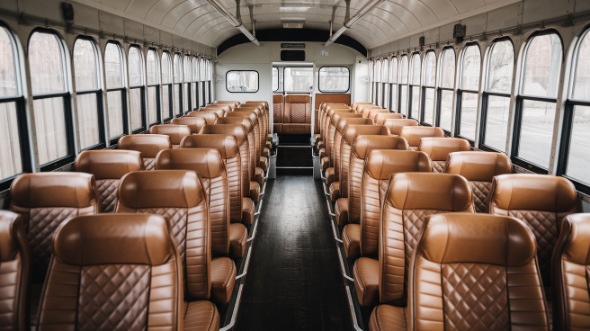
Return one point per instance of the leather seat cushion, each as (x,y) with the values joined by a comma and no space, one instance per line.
(259,176)
(248,210)
(351,238)
(255,191)
(386,317)
(201,316)
(366,281)
(223,279)
(238,238)
(334,191)
(329,175)
(341,211)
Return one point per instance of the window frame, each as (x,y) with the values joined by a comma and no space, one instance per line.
(141,87)
(157,85)
(334,92)
(403,109)
(432,87)
(393,83)
(170,107)
(122,90)
(412,86)
(245,92)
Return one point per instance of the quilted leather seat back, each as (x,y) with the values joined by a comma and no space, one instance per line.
(331,131)
(325,107)
(395,125)
(241,135)
(208,165)
(263,106)
(570,273)
(175,131)
(278,111)
(297,114)
(438,148)
(479,168)
(44,201)
(14,272)
(194,123)
(336,139)
(258,109)
(179,196)
(326,126)
(414,134)
(542,201)
(148,144)
(229,150)
(409,200)
(253,135)
(361,147)
(108,166)
(209,116)
(380,118)
(476,272)
(339,142)
(380,164)
(113,272)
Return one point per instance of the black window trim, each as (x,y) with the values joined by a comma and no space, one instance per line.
(245,92)
(333,92)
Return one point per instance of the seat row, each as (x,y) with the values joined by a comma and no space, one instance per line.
(292,114)
(197,191)
(381,185)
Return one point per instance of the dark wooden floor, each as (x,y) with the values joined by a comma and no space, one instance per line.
(294,280)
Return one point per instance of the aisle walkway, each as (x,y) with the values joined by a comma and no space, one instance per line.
(294,280)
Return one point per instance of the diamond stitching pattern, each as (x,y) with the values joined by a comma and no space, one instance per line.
(149,163)
(114,297)
(413,222)
(177,218)
(439,166)
(42,224)
(475,297)
(481,193)
(544,226)
(107,192)
(298,112)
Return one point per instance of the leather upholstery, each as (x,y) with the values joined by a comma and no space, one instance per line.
(44,201)
(108,166)
(220,111)
(194,123)
(14,272)
(365,109)
(542,201)
(395,125)
(201,315)
(210,117)
(257,139)
(231,103)
(278,111)
(355,105)
(113,272)
(438,148)
(148,144)
(570,261)
(380,118)
(297,114)
(479,168)
(414,134)
(174,131)
(375,111)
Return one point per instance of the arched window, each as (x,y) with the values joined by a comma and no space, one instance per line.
(187,77)
(202,79)
(446,85)
(575,143)
(414,108)
(51,100)
(403,83)
(136,90)
(209,79)
(496,96)
(195,82)
(177,84)
(114,68)
(467,95)
(13,135)
(428,90)
(537,100)
(378,87)
(153,87)
(385,83)
(394,86)
(167,106)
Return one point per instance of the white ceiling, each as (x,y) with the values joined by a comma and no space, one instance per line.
(389,21)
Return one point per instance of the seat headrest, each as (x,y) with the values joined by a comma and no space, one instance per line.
(245,114)
(236,130)
(227,102)
(575,231)
(277,98)
(114,239)
(148,144)
(254,109)
(352,131)
(478,166)
(246,122)
(477,238)
(175,131)
(219,111)
(420,190)
(381,163)
(210,117)
(374,111)
(336,117)
(337,110)
(395,125)
(438,148)
(362,145)
(413,134)
(226,144)
(225,107)
(206,162)
(297,98)
(381,117)
(161,189)
(108,163)
(344,122)
(53,189)
(533,192)
(9,244)
(194,123)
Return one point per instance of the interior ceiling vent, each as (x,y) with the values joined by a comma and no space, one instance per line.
(293,24)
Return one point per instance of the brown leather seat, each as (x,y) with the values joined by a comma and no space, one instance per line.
(335,139)
(194,123)
(231,103)
(175,131)
(570,263)
(209,116)
(108,166)
(372,113)
(350,133)
(327,155)
(14,272)
(255,116)
(148,144)
(226,239)
(116,272)
(542,201)
(364,109)
(380,118)
(395,126)
(278,112)
(265,121)
(325,131)
(469,272)
(479,168)
(297,116)
(438,149)
(414,134)
(221,111)
(355,105)
(179,195)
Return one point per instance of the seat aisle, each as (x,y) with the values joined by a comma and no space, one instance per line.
(294,280)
